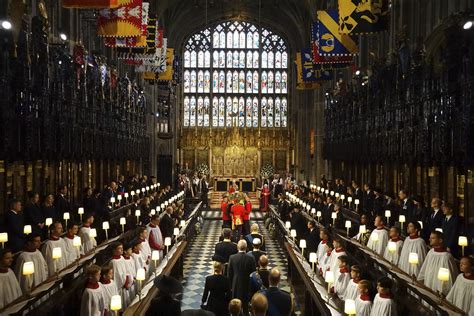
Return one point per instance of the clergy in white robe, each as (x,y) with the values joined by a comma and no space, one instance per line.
(88,243)
(9,287)
(352,290)
(32,254)
(390,254)
(93,301)
(438,257)
(155,238)
(110,288)
(462,292)
(72,253)
(378,238)
(54,241)
(413,243)
(383,302)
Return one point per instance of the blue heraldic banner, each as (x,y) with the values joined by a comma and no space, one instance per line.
(326,35)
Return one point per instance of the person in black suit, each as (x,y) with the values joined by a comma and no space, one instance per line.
(15,223)
(60,203)
(358,194)
(240,267)
(369,197)
(298,222)
(167,223)
(283,207)
(256,253)
(225,248)
(339,222)
(279,301)
(327,211)
(254,234)
(165,304)
(204,189)
(407,206)
(312,240)
(451,226)
(33,213)
(379,203)
(217,292)
(434,219)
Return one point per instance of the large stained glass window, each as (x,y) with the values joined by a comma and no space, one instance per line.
(235,75)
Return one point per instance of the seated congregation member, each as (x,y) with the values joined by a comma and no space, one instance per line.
(383,301)
(343,277)
(413,243)
(226,220)
(390,255)
(88,243)
(259,278)
(235,307)
(108,285)
(254,234)
(462,292)
(352,291)
(155,238)
(312,239)
(438,257)
(31,253)
(145,249)
(72,253)
(55,241)
(379,237)
(279,301)
(259,305)
(363,301)
(123,279)
(451,228)
(225,248)
(217,292)
(256,253)
(335,254)
(321,250)
(93,300)
(165,303)
(9,287)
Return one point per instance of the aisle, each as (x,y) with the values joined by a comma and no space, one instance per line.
(198,262)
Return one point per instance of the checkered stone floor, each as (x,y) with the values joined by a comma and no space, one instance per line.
(216,214)
(198,262)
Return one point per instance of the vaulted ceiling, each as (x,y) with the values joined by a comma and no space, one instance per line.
(290,18)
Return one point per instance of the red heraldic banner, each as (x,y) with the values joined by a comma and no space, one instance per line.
(125,21)
(91,4)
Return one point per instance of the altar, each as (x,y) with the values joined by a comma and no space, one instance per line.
(244,184)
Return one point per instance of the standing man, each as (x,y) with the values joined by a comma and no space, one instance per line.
(451,225)
(435,219)
(279,302)
(60,203)
(226,220)
(407,205)
(15,224)
(167,223)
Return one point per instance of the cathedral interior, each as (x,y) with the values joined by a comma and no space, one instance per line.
(120,116)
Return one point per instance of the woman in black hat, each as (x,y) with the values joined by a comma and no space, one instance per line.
(164,303)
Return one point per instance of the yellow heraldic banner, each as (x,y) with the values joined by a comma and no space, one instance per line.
(362,16)
(166,75)
(123,21)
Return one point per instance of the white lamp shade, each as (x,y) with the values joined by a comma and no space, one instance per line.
(116,303)
(413,258)
(318,214)
(332,193)
(356,202)
(462,241)
(76,242)
(147,188)
(119,197)
(92,233)
(421,224)
(132,193)
(392,246)
(337,194)
(443,274)
(28,268)
(350,307)
(362,229)
(318,188)
(137,191)
(176,231)
(168,241)
(313,257)
(152,212)
(158,209)
(343,197)
(288,224)
(66,215)
(27,229)
(302,243)
(3,237)
(123,221)
(155,255)
(439,230)
(141,274)
(143,190)
(329,278)
(349,199)
(308,207)
(333,215)
(57,253)
(137,212)
(388,213)
(327,191)
(80,210)
(293,233)
(112,199)
(402,219)
(125,195)
(48,221)
(348,224)
(375,237)
(182,223)
(313,211)
(162,205)
(166,203)
(105,225)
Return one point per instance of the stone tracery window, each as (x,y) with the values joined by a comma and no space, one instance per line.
(235,75)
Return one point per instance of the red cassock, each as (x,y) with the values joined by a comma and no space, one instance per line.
(225,216)
(248,210)
(265,198)
(231,190)
(238,212)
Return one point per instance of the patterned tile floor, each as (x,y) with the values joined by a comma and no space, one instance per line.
(198,262)
(216,214)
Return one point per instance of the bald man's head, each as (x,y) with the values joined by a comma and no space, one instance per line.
(235,307)
(259,305)
(242,245)
(274,277)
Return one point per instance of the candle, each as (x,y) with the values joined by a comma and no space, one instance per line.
(147,188)
(48,221)
(116,303)
(66,216)
(137,191)
(462,241)
(356,202)
(176,231)
(349,307)
(92,233)
(27,229)
(421,224)
(308,207)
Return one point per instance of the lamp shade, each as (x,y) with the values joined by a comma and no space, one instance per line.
(125,195)
(329,278)
(318,214)
(313,211)
(350,307)
(115,303)
(28,268)
(337,194)
(3,237)
(388,213)
(318,188)
(332,193)
(140,274)
(349,199)
(343,197)
(413,258)
(439,230)
(182,223)
(333,215)
(147,188)
(357,202)
(137,212)
(348,224)
(158,209)
(123,221)
(362,229)
(313,257)
(443,274)
(132,193)
(167,241)
(327,191)
(76,242)
(137,191)
(80,211)
(152,212)
(308,207)
(392,246)
(119,198)
(462,241)
(27,229)
(288,224)
(48,221)
(302,243)
(176,231)
(105,225)
(155,255)
(402,219)
(143,190)
(57,253)
(112,199)
(92,233)
(293,233)
(66,216)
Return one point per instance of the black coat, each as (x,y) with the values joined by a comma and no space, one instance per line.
(217,294)
(224,250)
(298,222)
(451,229)
(279,302)
(167,226)
(240,267)
(61,205)
(164,306)
(433,222)
(249,239)
(15,224)
(33,216)
(312,241)
(256,254)
(379,205)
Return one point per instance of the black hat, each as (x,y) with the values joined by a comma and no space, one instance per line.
(168,285)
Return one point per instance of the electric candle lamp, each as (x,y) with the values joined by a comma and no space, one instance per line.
(77,242)
(106,227)
(137,215)
(343,197)
(392,246)
(182,223)
(357,202)
(333,216)
(155,256)
(313,258)
(332,193)
(362,229)
(329,278)
(318,215)
(402,220)
(313,211)
(119,198)
(349,199)
(388,214)
(3,239)
(27,229)
(302,246)
(132,193)
(337,195)
(56,255)
(112,200)
(66,217)
(288,224)
(167,244)
(443,277)
(27,270)
(176,231)
(80,211)
(92,233)
(123,221)
(413,260)
(48,221)
(140,278)
(116,304)
(293,233)
(327,191)
(462,241)
(143,190)
(158,209)
(349,307)
(348,226)
(147,188)
(152,212)
(125,195)
(308,207)
(137,192)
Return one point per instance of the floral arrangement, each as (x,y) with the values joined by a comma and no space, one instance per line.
(267,171)
(202,169)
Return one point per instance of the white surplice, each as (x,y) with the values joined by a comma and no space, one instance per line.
(393,257)
(342,280)
(378,246)
(88,243)
(320,253)
(334,263)
(383,306)
(93,302)
(352,290)
(416,245)
(429,270)
(72,253)
(462,294)
(122,278)
(110,289)
(41,269)
(363,306)
(9,287)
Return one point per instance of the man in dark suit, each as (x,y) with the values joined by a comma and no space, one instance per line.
(327,211)
(241,266)
(313,240)
(298,222)
(167,223)
(451,225)
(407,206)
(225,248)
(15,224)
(60,203)
(279,302)
(379,203)
(358,195)
(369,197)
(256,253)
(435,219)
(32,213)
(254,234)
